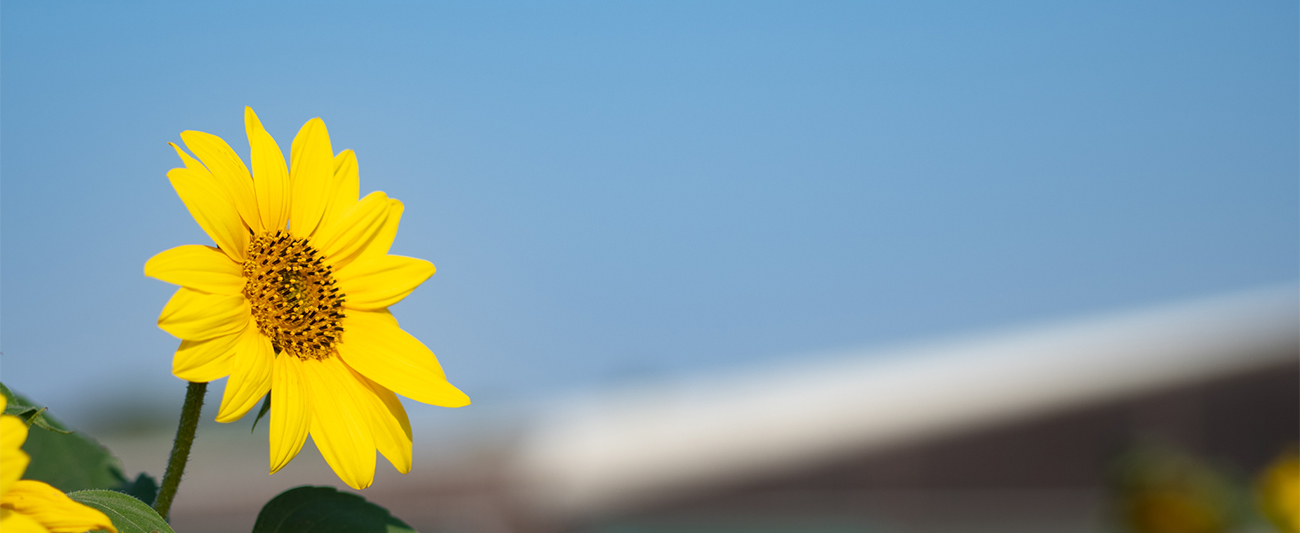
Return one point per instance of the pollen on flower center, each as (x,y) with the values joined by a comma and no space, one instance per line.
(293,295)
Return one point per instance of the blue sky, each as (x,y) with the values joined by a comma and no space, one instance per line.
(619,190)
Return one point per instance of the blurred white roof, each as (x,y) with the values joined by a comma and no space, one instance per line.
(601,452)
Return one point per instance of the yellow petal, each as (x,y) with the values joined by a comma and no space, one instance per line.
(384,239)
(12,522)
(374,345)
(250,374)
(344,188)
(377,283)
(389,424)
(310,173)
(343,241)
(202,268)
(270,175)
(290,416)
(339,427)
(210,205)
(196,316)
(207,360)
(13,460)
(229,171)
(53,509)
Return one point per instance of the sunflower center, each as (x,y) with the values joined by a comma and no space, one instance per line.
(293,295)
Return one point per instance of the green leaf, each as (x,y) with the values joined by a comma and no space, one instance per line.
(266,406)
(144,488)
(128,514)
(71,462)
(39,419)
(30,412)
(325,510)
(63,458)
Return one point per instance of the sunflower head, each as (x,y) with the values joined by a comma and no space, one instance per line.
(293,300)
(293,296)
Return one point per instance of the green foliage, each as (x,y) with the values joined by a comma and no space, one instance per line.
(144,488)
(128,514)
(266,407)
(63,458)
(325,510)
(71,462)
(79,466)
(33,414)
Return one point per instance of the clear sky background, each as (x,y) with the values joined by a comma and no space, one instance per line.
(616,191)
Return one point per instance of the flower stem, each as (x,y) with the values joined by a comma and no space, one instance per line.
(180,448)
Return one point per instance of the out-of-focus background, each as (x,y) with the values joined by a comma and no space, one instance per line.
(725,266)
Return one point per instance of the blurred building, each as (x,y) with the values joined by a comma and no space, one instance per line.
(1010,432)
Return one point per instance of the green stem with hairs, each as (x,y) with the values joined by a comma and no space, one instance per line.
(180,448)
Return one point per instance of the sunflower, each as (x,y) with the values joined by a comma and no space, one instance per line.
(32,506)
(1278,492)
(294,299)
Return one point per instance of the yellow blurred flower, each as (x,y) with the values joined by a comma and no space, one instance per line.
(1165,490)
(1173,511)
(28,505)
(1279,492)
(295,299)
